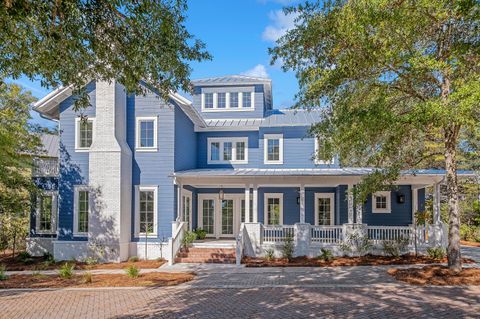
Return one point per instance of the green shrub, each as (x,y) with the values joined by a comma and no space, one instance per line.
(356,244)
(436,252)
(188,238)
(90,261)
(201,233)
(48,257)
(325,255)
(87,278)
(66,271)
(132,271)
(269,254)
(24,256)
(470,232)
(394,248)
(133,259)
(287,247)
(3,275)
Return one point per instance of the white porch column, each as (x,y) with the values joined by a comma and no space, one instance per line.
(359,211)
(255,203)
(247,204)
(414,203)
(436,204)
(302,204)
(350,203)
(179,202)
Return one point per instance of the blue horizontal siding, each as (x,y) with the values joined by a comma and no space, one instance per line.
(401,214)
(291,209)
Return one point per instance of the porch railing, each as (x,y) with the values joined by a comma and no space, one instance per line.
(175,242)
(326,234)
(277,233)
(379,234)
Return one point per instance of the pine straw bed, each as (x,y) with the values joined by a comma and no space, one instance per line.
(437,275)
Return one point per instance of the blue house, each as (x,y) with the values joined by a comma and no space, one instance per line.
(136,172)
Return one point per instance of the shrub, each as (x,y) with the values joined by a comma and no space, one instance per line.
(133,259)
(269,254)
(66,271)
(132,271)
(24,256)
(87,278)
(395,248)
(470,232)
(90,261)
(287,247)
(436,252)
(201,233)
(3,275)
(356,244)
(325,255)
(188,238)
(48,257)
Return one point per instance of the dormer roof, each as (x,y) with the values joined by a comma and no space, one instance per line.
(231,80)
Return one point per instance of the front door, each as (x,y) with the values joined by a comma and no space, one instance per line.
(220,218)
(206,218)
(324,209)
(227,218)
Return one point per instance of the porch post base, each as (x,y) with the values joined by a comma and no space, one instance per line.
(302,239)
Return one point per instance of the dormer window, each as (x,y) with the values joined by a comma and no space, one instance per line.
(247,99)
(208,102)
(221,100)
(234,99)
(238,99)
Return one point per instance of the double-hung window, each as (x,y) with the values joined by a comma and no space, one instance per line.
(82,203)
(221,100)
(273,210)
(246,99)
(208,101)
(146,215)
(228,150)
(146,134)
(238,99)
(273,148)
(234,99)
(381,202)
(46,212)
(83,133)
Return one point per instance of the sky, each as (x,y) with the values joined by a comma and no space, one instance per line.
(237,34)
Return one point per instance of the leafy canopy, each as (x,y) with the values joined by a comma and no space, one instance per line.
(73,42)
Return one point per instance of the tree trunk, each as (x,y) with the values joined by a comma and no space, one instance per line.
(453,250)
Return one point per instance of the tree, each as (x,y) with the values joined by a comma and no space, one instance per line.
(74,42)
(394,77)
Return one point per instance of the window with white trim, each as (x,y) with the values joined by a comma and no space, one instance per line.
(46,212)
(228,101)
(146,134)
(227,150)
(83,133)
(318,160)
(273,148)
(208,100)
(273,210)
(146,211)
(324,209)
(81,212)
(247,98)
(221,100)
(234,99)
(381,202)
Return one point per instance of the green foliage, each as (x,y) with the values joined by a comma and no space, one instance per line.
(73,42)
(133,259)
(470,233)
(269,254)
(3,275)
(423,217)
(201,233)
(24,255)
(356,244)
(66,271)
(288,247)
(188,238)
(436,252)
(90,261)
(132,271)
(325,255)
(394,248)
(87,277)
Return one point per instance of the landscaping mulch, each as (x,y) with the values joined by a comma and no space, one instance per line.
(367,260)
(437,275)
(470,243)
(151,279)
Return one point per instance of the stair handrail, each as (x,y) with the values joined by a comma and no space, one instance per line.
(175,242)
(240,244)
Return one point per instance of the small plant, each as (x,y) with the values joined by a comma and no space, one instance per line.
(87,278)
(38,275)
(201,233)
(133,259)
(356,244)
(287,247)
(394,248)
(132,271)
(188,238)
(3,275)
(66,271)
(48,257)
(436,252)
(269,254)
(325,255)
(90,261)
(24,256)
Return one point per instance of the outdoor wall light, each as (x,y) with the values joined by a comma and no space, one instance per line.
(400,198)
(298,200)
(221,194)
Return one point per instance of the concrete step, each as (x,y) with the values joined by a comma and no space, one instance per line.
(206,260)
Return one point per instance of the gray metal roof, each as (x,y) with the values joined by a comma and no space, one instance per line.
(233,122)
(50,145)
(292,117)
(230,80)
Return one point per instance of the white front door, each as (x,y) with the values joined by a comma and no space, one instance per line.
(219,217)
(324,209)
(206,214)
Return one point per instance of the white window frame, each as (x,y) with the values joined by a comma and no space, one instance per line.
(331,196)
(187,194)
(266,196)
(221,141)
(138,189)
(77,134)
(387,210)
(138,120)
(318,161)
(267,137)
(77,189)
(227,107)
(54,195)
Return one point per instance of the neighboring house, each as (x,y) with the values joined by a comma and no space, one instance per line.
(139,171)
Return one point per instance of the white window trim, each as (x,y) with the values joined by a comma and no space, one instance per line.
(318,161)
(138,189)
(332,206)
(139,148)
(222,140)
(387,210)
(188,194)
(78,188)
(267,137)
(54,195)
(77,134)
(266,196)
(240,107)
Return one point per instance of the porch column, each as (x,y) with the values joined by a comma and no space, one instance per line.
(179,202)
(436,204)
(302,204)
(247,204)
(414,203)
(255,203)
(359,210)
(350,203)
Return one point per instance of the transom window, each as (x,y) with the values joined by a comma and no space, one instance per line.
(273,209)
(81,210)
(83,133)
(273,147)
(46,212)
(228,101)
(146,134)
(381,202)
(147,211)
(227,150)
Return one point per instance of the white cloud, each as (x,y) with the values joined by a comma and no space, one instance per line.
(258,71)
(281,23)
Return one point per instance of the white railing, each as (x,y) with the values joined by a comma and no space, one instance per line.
(379,234)
(175,242)
(326,234)
(45,167)
(277,233)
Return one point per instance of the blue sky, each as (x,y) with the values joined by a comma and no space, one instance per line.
(237,34)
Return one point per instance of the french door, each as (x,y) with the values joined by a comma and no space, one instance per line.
(219,217)
(187,208)
(324,209)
